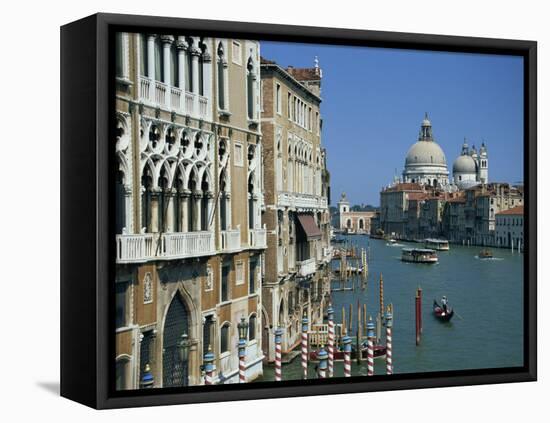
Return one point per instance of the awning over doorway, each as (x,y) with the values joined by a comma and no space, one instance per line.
(308,225)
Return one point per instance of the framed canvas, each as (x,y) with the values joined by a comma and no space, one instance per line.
(256,211)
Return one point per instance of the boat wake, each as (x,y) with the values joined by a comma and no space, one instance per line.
(394,245)
(489,258)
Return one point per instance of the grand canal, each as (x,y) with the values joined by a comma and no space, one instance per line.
(487,295)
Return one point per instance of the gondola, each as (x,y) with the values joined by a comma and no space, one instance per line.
(379,352)
(442,314)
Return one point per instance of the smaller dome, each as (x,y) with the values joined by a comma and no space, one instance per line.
(464,164)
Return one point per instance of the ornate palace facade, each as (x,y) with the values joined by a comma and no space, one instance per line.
(189,199)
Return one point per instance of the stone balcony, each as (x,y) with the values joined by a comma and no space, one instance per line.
(257,238)
(167,97)
(306,267)
(231,240)
(301,201)
(140,248)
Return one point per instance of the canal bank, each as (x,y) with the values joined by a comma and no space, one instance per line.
(487,295)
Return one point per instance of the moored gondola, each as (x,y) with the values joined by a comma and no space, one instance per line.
(443,312)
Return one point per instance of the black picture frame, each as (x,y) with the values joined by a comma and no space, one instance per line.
(87,250)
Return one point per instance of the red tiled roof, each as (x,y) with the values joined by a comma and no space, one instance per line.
(518,210)
(304,74)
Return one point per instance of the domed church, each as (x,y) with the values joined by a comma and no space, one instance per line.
(471,168)
(425,163)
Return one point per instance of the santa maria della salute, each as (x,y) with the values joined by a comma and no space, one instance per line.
(425,163)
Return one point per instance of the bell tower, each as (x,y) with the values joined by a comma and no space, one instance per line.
(343,207)
(483,167)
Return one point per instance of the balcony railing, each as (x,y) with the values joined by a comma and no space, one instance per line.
(140,248)
(159,94)
(307,267)
(231,240)
(301,201)
(257,238)
(134,248)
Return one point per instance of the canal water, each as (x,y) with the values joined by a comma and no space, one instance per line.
(487,296)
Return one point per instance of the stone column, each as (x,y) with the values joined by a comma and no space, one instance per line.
(155,210)
(197,195)
(167,41)
(182,49)
(184,204)
(209,208)
(128,216)
(195,53)
(207,81)
(170,194)
(151,57)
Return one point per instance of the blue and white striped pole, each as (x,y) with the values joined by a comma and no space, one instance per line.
(209,367)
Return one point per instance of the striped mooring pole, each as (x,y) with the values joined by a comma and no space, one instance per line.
(209,367)
(347,356)
(305,322)
(370,347)
(330,312)
(147,379)
(242,356)
(278,340)
(381,296)
(389,327)
(323,356)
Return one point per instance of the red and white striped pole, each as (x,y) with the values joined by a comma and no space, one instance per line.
(330,312)
(370,347)
(304,346)
(242,356)
(347,356)
(389,327)
(278,355)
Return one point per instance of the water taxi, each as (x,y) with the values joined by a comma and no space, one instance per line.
(437,244)
(485,254)
(419,255)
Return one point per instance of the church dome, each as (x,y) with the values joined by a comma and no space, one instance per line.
(425,153)
(464,164)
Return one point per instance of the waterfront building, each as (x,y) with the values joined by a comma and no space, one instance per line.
(296,189)
(509,228)
(470,217)
(353,221)
(394,206)
(189,240)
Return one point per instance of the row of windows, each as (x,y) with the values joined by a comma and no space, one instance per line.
(297,110)
(510,222)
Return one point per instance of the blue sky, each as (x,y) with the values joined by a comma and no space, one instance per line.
(374,100)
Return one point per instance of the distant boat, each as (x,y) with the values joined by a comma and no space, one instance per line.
(419,255)
(443,313)
(485,254)
(437,244)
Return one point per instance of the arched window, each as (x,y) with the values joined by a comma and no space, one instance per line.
(250,79)
(251,201)
(122,372)
(143,55)
(159,63)
(221,77)
(120,202)
(205,218)
(224,338)
(252,327)
(163,200)
(146,197)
